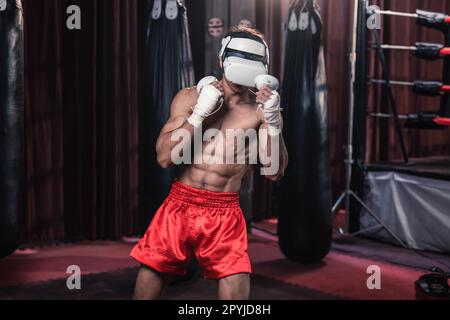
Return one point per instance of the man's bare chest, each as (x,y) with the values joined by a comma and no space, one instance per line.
(235,119)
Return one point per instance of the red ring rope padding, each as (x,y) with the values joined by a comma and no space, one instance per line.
(447,20)
(445,52)
(445,88)
(442,121)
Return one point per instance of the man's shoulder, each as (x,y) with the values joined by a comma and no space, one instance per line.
(185,99)
(187,93)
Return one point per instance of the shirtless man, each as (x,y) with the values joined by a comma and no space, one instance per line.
(201,217)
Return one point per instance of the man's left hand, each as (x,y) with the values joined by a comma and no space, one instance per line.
(271,108)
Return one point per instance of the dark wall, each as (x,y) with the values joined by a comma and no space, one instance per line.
(81,99)
(197,27)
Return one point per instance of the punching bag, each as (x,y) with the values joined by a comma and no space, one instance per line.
(167,69)
(12,159)
(305,220)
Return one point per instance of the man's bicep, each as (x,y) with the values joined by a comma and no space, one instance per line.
(183,103)
(174,123)
(180,110)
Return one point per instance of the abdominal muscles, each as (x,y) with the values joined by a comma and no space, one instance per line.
(223,164)
(217,178)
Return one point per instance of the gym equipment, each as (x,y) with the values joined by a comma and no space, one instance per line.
(244,57)
(267,80)
(433,286)
(390,94)
(419,87)
(167,69)
(428,51)
(421,120)
(355,163)
(305,219)
(424,120)
(357,53)
(434,20)
(442,121)
(204,82)
(12,140)
(444,112)
(423,50)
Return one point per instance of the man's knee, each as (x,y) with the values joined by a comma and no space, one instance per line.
(236,287)
(150,284)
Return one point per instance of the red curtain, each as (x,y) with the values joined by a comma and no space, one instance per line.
(81,119)
(43,112)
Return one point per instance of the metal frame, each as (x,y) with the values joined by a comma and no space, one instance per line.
(346,197)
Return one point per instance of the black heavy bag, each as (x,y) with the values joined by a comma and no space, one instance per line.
(305,219)
(12,159)
(167,69)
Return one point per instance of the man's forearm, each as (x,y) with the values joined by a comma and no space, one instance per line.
(180,137)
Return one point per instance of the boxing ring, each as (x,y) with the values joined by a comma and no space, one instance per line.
(412,199)
(406,201)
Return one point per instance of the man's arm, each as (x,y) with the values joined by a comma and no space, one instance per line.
(283,157)
(180,111)
(187,113)
(272,137)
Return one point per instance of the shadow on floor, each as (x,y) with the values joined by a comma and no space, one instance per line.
(118,285)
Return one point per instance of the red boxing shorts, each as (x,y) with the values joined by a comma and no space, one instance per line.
(193,222)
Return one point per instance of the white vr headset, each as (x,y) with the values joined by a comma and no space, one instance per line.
(244,57)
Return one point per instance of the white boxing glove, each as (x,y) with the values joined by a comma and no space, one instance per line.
(272,114)
(206,104)
(205,81)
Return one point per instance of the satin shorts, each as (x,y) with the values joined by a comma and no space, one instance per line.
(196,223)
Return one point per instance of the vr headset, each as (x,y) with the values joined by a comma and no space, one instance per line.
(244,57)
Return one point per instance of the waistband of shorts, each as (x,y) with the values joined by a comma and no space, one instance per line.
(204,198)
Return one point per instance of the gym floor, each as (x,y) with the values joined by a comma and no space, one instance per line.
(108,273)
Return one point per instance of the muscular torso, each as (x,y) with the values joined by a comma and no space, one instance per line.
(224,177)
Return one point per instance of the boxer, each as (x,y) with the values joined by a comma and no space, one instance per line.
(201,217)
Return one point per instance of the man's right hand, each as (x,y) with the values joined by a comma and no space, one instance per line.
(206,103)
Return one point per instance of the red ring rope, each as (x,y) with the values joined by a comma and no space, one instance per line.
(442,121)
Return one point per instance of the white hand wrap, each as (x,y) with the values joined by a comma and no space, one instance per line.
(272,114)
(206,103)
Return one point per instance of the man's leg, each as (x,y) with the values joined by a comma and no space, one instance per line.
(150,284)
(235,287)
